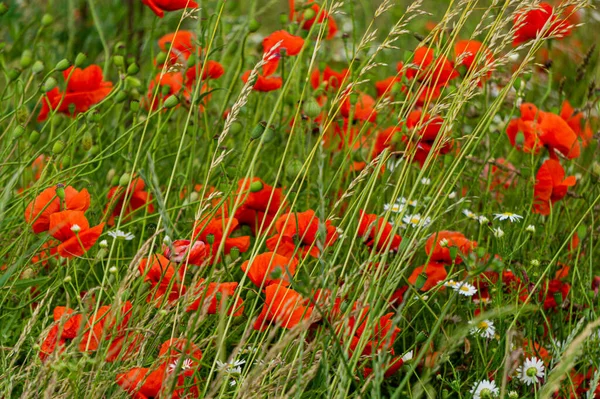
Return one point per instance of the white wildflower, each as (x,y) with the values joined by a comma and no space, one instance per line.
(531,371)
(498,232)
(485,329)
(121,235)
(512,217)
(484,389)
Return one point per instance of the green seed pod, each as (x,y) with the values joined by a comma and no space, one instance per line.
(115,181)
(234,253)
(171,102)
(132,82)
(294,167)
(253,25)
(87,141)
(47,19)
(309,14)
(118,60)
(210,239)
(80,59)
(110,175)
(283,18)
(60,191)
(258,130)
(62,65)
(421,337)
(18,131)
(120,97)
(276,273)
(133,69)
(256,186)
(311,108)
(161,58)
(191,62)
(34,137)
(22,115)
(58,147)
(124,179)
(13,74)
(3,9)
(65,161)
(134,106)
(38,67)
(421,280)
(119,47)
(236,127)
(26,59)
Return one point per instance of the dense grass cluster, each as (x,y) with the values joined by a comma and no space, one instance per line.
(312,198)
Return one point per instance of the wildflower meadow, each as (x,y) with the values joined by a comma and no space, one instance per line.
(299,199)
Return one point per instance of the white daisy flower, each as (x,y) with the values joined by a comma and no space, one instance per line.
(469,214)
(451,283)
(452,195)
(485,329)
(426,181)
(408,356)
(466,289)
(121,235)
(396,208)
(416,220)
(413,203)
(530,228)
(75,228)
(512,217)
(482,219)
(186,365)
(103,244)
(531,371)
(234,367)
(484,389)
(498,232)
(444,242)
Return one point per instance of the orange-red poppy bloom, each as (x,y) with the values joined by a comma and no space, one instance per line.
(159,7)
(170,83)
(386,85)
(363,109)
(142,382)
(136,198)
(320,16)
(282,306)
(107,324)
(264,83)
(73,230)
(432,71)
(183,251)
(575,121)
(377,233)
(289,45)
(433,273)
(379,338)
(173,349)
(214,296)
(47,202)
(215,229)
(550,186)
(180,43)
(530,23)
(553,293)
(270,268)
(260,203)
(85,87)
(466,52)
(427,130)
(66,324)
(165,277)
(439,245)
(329,78)
(300,229)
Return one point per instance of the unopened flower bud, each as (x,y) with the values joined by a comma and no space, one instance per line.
(253,25)
(421,280)
(62,65)
(171,102)
(236,127)
(26,59)
(210,239)
(95,150)
(311,108)
(124,180)
(191,62)
(67,279)
(133,69)
(112,270)
(87,141)
(13,74)
(309,14)
(37,67)
(34,137)
(103,244)
(134,106)
(80,60)
(234,253)
(58,147)
(47,19)
(118,60)
(161,58)
(65,161)
(256,186)
(283,18)
(18,131)
(120,97)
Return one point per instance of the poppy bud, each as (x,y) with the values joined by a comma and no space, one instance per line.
(253,25)
(311,108)
(165,90)
(103,244)
(34,137)
(519,139)
(210,239)
(67,279)
(558,298)
(276,273)
(118,60)
(236,127)
(124,179)
(26,59)
(171,102)
(47,19)
(134,106)
(87,141)
(191,62)
(540,330)
(58,147)
(95,150)
(119,47)
(309,14)
(80,59)
(453,253)
(283,18)
(113,270)
(421,337)
(3,9)
(62,65)
(133,69)
(258,131)
(110,175)
(65,162)
(294,167)
(120,97)
(72,108)
(256,186)
(161,58)
(114,181)
(18,131)
(421,280)
(37,67)
(234,253)
(194,196)
(13,74)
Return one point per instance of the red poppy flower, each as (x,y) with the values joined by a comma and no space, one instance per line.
(423,140)
(264,83)
(72,229)
(557,135)
(386,85)
(165,277)
(214,296)
(330,79)
(159,7)
(363,109)
(85,87)
(292,45)
(439,244)
(47,202)
(283,306)
(434,273)
(182,251)
(500,177)
(575,121)
(260,205)
(530,23)
(380,337)
(170,84)
(68,329)
(142,382)
(124,346)
(174,348)
(180,43)
(390,369)
(103,325)
(215,228)
(530,132)
(466,53)
(320,16)
(300,229)
(136,198)
(377,233)
(212,70)
(434,72)
(550,186)
(270,268)
(551,291)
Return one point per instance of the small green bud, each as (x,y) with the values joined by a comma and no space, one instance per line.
(294,167)
(191,62)
(540,329)
(171,101)
(118,60)
(120,47)
(58,147)
(37,67)
(3,9)
(134,106)
(165,90)
(49,84)
(120,97)
(253,25)
(236,127)
(256,186)
(276,273)
(161,58)
(258,130)
(132,82)
(13,74)
(114,181)
(309,14)
(65,161)
(60,191)
(110,175)
(519,139)
(67,279)
(283,18)
(80,59)
(210,239)
(87,141)
(421,280)
(234,253)
(62,65)
(124,180)
(47,19)
(34,137)
(311,108)
(133,69)
(421,337)
(18,131)
(26,59)
(95,150)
